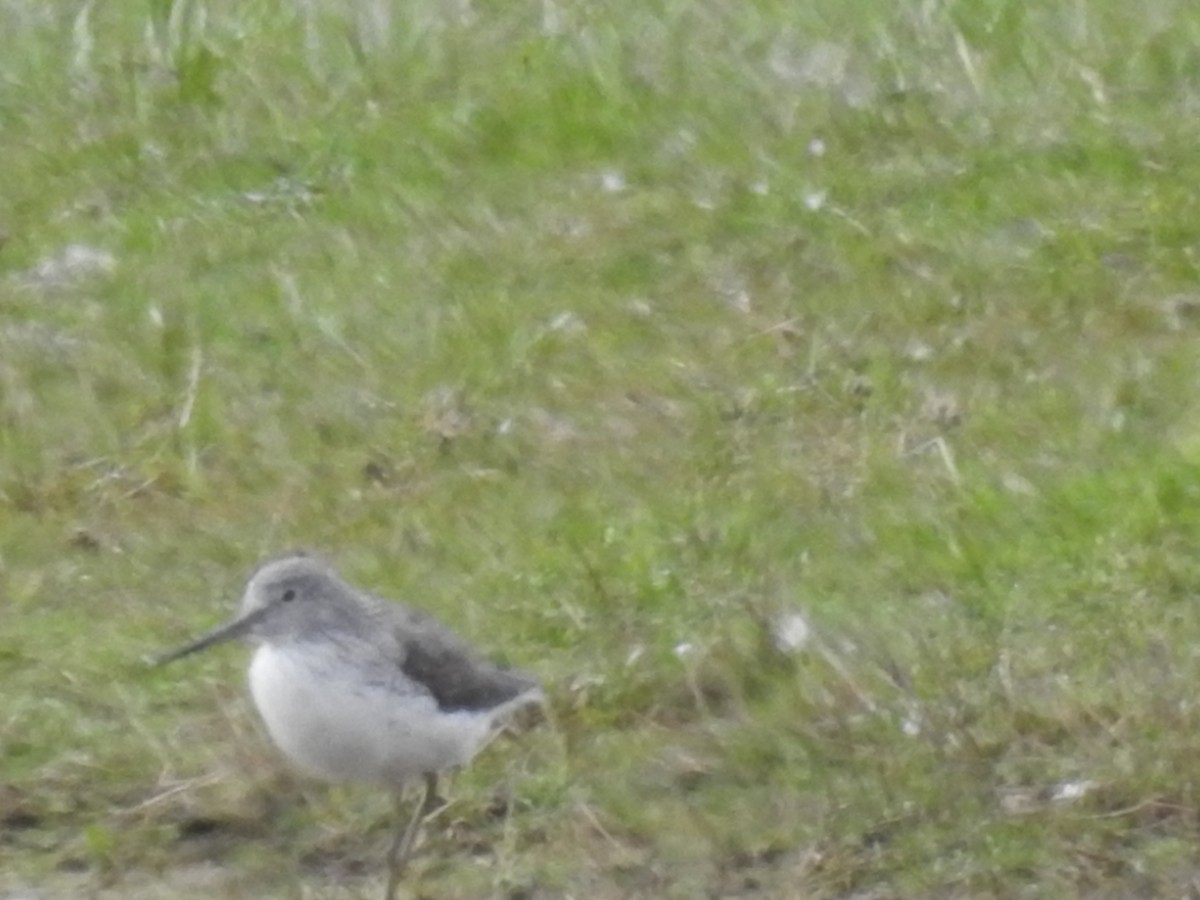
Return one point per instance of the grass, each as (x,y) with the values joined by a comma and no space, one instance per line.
(617,335)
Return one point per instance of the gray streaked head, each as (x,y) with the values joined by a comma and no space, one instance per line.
(287,599)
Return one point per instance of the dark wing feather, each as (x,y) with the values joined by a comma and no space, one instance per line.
(456,676)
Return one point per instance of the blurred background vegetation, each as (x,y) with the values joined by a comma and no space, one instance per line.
(806,392)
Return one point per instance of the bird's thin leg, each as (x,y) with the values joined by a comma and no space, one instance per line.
(401,847)
(432,803)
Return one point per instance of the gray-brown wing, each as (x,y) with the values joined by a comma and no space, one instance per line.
(456,676)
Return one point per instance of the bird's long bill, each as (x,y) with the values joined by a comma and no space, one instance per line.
(229,630)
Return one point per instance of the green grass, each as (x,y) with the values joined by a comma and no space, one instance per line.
(613,334)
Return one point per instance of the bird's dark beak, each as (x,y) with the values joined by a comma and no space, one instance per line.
(228,631)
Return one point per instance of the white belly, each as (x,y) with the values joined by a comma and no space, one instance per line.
(340,728)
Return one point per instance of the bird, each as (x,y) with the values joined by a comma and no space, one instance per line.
(355,688)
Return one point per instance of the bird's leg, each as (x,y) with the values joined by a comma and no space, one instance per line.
(402,844)
(432,803)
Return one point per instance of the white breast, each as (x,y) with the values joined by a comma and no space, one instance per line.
(340,727)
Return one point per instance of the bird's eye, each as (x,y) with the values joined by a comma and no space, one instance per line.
(288,595)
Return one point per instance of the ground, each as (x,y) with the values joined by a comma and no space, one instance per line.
(806,393)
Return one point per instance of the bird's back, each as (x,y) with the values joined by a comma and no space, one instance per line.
(458,678)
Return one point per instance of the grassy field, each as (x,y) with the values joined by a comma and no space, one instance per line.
(809,393)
